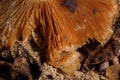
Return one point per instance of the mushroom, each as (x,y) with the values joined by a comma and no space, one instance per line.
(64,31)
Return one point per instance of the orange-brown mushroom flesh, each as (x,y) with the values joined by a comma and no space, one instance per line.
(63,31)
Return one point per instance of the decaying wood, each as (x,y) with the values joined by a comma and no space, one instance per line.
(55,29)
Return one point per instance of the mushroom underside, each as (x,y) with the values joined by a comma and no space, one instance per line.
(56,29)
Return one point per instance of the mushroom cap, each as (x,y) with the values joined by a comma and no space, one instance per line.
(62,30)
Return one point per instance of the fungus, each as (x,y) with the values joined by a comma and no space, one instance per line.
(62,31)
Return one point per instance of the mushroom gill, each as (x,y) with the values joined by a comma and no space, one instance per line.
(63,31)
